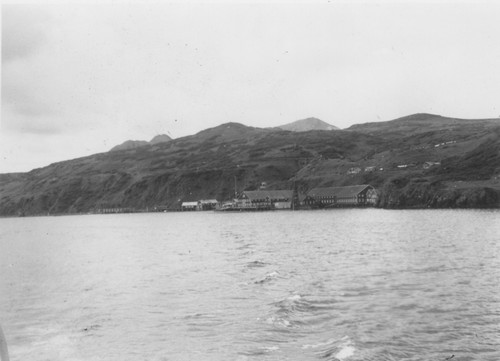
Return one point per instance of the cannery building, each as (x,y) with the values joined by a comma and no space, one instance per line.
(269,199)
(359,195)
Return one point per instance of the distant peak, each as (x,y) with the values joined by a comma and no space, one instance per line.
(132,144)
(420,116)
(311,123)
(160,138)
(231,125)
(224,128)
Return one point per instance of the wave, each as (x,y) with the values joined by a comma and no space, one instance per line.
(256,264)
(300,312)
(268,277)
(333,349)
(298,303)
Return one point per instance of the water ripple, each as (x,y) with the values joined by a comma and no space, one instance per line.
(353,285)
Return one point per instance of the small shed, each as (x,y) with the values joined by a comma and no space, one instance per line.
(428,165)
(189,206)
(207,204)
(354,170)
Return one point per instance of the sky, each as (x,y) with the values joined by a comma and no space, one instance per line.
(81,77)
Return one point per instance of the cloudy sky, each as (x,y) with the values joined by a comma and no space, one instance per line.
(80,78)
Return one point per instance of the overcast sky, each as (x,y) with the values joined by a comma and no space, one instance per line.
(78,79)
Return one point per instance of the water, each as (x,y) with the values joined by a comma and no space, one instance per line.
(318,285)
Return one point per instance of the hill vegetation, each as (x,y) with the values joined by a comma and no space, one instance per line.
(415,162)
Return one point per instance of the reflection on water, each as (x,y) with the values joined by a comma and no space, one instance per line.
(318,285)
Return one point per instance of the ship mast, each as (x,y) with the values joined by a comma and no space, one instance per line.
(235,189)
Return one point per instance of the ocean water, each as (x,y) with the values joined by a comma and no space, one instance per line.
(352,284)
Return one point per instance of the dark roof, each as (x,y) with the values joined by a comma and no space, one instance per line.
(302,196)
(339,192)
(271,194)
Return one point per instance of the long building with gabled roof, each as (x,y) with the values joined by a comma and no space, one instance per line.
(358,195)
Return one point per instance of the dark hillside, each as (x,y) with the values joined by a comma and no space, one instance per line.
(207,164)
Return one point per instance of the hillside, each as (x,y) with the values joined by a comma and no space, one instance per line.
(465,172)
(308,124)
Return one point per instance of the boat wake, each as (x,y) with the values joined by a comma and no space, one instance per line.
(299,316)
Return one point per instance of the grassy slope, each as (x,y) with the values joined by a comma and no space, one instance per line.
(205,166)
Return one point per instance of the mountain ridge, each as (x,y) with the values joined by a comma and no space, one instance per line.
(411,123)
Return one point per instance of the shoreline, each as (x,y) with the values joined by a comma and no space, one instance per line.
(416,208)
